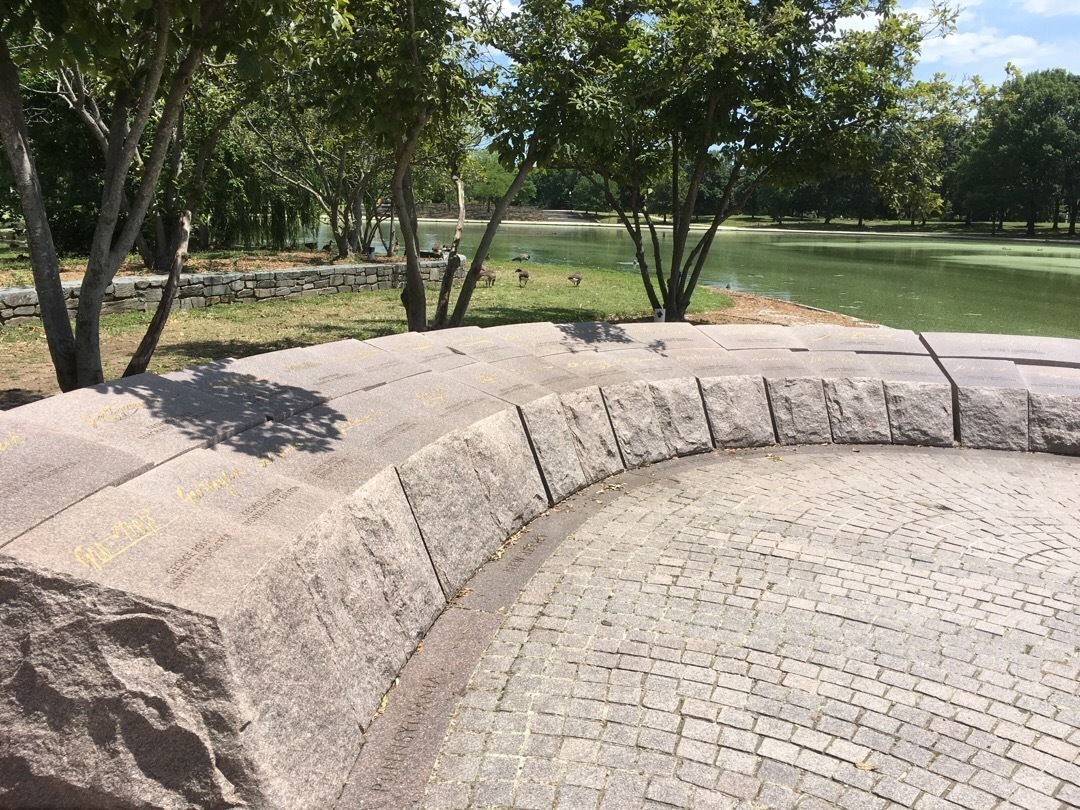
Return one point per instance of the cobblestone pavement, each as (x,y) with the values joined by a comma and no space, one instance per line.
(812,629)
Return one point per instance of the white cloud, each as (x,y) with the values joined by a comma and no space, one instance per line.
(985,45)
(1051,8)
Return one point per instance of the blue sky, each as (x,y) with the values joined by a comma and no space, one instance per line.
(1032,34)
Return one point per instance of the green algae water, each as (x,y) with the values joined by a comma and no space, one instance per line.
(919,283)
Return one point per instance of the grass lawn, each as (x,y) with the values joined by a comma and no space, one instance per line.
(238,330)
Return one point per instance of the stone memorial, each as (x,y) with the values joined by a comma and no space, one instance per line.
(738,411)
(648,365)
(478,344)
(774,363)
(554,445)
(663,338)
(1020,348)
(501,381)
(145,415)
(753,336)
(799,410)
(657,420)
(918,397)
(709,362)
(857,412)
(540,371)
(590,426)
(593,368)
(865,340)
(544,339)
(420,348)
(44,471)
(1054,418)
(469,491)
(329,370)
(992,403)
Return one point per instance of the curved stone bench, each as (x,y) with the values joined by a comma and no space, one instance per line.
(209,579)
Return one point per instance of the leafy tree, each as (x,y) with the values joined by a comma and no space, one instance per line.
(770,89)
(144,55)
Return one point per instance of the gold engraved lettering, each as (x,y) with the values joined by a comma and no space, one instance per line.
(269,458)
(357,421)
(432,396)
(489,378)
(124,536)
(111,413)
(10,440)
(224,481)
(301,366)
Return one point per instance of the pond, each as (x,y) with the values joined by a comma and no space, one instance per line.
(919,283)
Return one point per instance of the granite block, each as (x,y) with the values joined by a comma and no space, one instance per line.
(682,415)
(544,339)
(857,412)
(753,336)
(920,412)
(636,422)
(469,491)
(594,368)
(666,337)
(799,410)
(329,370)
(420,348)
(373,586)
(477,343)
(648,365)
(1054,400)
(247,394)
(1020,348)
(738,411)
(870,339)
(906,368)
(502,381)
(594,438)
(146,416)
(543,373)
(836,365)
(774,363)
(992,401)
(709,362)
(556,452)
(43,471)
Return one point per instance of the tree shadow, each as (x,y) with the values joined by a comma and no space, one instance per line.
(209,403)
(596,333)
(14,397)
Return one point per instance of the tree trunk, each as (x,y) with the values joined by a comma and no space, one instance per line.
(42,249)
(468,284)
(453,264)
(1030,229)
(141,359)
(1072,217)
(413,296)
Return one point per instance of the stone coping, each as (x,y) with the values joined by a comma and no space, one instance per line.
(209,579)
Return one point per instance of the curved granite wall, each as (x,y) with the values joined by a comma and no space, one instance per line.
(208,579)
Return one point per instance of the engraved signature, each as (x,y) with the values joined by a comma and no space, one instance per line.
(124,536)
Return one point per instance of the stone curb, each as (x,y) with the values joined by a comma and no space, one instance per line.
(209,579)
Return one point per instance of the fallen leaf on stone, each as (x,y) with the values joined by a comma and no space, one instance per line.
(605,622)
(865,766)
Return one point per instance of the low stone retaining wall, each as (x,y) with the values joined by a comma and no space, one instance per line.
(209,579)
(19,305)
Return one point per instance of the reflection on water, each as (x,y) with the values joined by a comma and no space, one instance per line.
(915,283)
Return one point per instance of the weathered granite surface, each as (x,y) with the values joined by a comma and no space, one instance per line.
(881,339)
(738,410)
(1054,416)
(469,491)
(857,412)
(920,413)
(590,426)
(799,411)
(1020,348)
(993,403)
(201,608)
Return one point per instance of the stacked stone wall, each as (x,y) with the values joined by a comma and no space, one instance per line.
(19,305)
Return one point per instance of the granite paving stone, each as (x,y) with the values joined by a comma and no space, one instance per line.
(1020,348)
(870,340)
(422,349)
(774,575)
(753,336)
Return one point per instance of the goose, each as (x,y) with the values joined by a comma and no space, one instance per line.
(574,277)
(521,257)
(487,276)
(523,277)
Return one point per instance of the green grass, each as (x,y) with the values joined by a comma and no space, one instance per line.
(238,330)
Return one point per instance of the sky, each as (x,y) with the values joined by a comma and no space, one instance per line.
(1032,34)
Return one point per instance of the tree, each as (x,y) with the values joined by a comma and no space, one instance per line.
(770,89)
(145,56)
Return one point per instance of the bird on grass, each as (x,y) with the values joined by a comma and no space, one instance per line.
(523,277)
(574,277)
(521,257)
(487,276)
